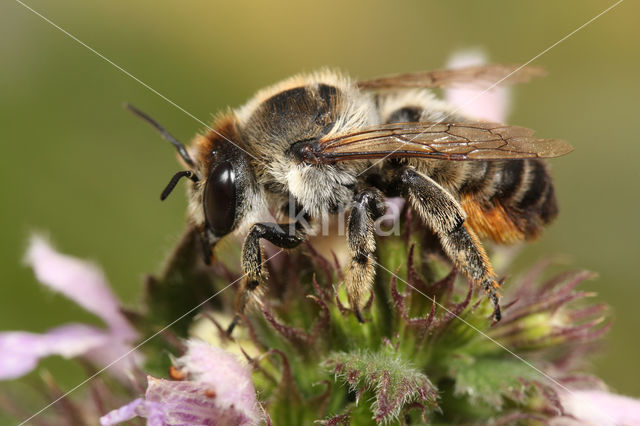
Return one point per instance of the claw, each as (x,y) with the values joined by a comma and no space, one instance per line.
(497,314)
(234,322)
(491,286)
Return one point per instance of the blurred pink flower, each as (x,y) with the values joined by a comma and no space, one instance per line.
(598,408)
(218,391)
(492,105)
(86,285)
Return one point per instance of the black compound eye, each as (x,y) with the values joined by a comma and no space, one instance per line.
(220,198)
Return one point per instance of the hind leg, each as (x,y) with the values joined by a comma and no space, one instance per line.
(442,212)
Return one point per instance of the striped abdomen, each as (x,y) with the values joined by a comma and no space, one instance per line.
(508,201)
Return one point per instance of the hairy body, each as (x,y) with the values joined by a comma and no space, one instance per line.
(321,144)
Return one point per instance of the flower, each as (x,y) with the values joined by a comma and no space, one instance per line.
(492,105)
(86,285)
(219,391)
(598,408)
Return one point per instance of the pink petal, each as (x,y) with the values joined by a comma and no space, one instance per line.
(124,413)
(393,207)
(78,280)
(222,373)
(492,105)
(20,351)
(184,402)
(595,407)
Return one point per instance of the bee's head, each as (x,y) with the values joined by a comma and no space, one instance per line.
(227,181)
(221,176)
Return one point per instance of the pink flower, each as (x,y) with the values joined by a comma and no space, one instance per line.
(219,391)
(598,408)
(492,105)
(86,285)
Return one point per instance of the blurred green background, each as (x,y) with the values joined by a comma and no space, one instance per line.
(77,167)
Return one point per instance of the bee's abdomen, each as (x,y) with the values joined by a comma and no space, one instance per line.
(508,201)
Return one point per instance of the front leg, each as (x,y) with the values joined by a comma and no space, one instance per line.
(442,212)
(368,206)
(285,236)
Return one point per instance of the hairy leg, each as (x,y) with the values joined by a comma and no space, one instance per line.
(368,206)
(442,212)
(281,235)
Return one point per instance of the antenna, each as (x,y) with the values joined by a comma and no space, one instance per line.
(174,181)
(164,133)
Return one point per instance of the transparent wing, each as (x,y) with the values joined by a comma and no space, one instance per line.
(443,141)
(481,77)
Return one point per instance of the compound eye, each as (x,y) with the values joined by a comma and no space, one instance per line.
(220,199)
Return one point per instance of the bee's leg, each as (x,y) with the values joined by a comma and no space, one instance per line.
(206,245)
(442,212)
(368,206)
(281,235)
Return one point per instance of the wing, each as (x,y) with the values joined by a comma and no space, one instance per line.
(442,141)
(481,76)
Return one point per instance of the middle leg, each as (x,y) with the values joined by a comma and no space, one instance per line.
(368,206)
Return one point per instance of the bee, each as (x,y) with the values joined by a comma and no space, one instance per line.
(323,144)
